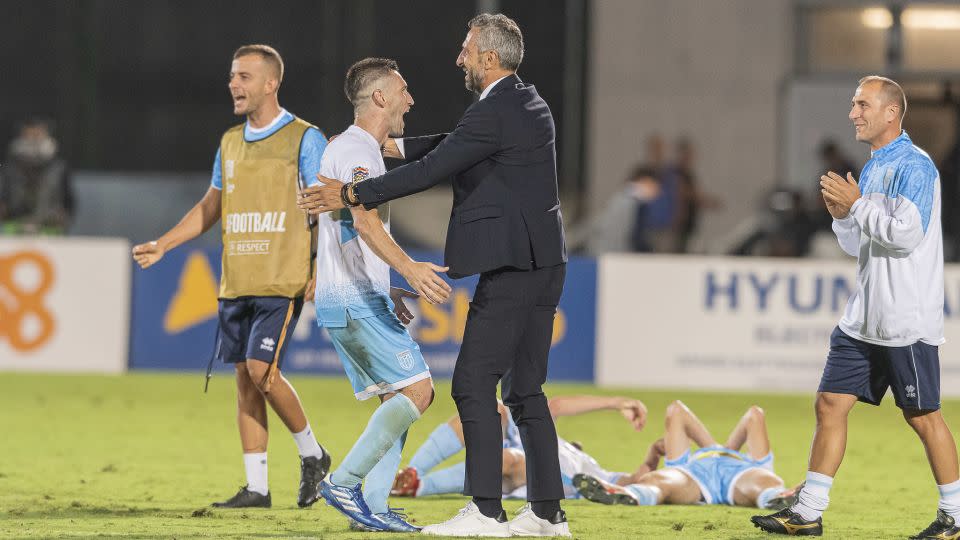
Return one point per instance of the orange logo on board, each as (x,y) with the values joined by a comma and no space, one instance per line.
(25,279)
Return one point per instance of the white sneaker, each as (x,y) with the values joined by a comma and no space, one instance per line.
(470,522)
(528,524)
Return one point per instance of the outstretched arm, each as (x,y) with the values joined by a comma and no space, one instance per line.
(196,222)
(411,148)
(476,137)
(420,275)
(633,410)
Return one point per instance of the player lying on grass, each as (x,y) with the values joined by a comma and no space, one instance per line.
(419,479)
(712,474)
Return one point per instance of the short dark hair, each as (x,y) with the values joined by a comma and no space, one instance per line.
(500,34)
(268,53)
(891,90)
(364,73)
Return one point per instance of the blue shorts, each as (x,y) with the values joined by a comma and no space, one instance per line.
(866,370)
(378,355)
(716,470)
(256,327)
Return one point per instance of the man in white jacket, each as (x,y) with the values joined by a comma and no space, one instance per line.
(893,323)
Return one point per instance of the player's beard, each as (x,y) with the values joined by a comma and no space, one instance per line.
(474,79)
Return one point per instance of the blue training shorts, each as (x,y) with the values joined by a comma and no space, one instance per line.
(378,355)
(716,470)
(866,370)
(256,327)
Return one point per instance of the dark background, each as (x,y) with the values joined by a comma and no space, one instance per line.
(142,86)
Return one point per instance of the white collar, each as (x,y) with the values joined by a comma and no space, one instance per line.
(269,126)
(491,85)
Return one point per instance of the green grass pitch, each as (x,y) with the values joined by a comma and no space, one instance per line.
(142,456)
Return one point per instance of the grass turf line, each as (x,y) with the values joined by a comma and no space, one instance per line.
(142,455)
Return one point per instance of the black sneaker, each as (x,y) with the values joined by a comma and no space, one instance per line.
(245,499)
(944,528)
(312,471)
(592,489)
(788,522)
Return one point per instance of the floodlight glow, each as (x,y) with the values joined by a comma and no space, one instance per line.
(918,18)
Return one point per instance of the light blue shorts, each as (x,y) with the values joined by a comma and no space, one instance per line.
(716,470)
(378,355)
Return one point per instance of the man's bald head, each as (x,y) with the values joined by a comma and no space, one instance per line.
(890,92)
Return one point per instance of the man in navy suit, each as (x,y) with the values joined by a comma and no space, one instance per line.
(506,226)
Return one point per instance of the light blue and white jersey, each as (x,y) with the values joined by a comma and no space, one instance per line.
(894,230)
(573,461)
(312,147)
(351,279)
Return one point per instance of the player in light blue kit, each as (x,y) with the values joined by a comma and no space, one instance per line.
(892,327)
(711,474)
(361,312)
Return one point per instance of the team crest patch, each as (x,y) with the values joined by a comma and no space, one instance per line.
(405,358)
(360,174)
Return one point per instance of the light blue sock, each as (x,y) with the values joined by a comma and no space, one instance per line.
(768,494)
(645,495)
(389,421)
(441,444)
(376,487)
(449,480)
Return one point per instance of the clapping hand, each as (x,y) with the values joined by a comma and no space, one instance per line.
(839,193)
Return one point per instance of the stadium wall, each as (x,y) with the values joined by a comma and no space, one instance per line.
(709,70)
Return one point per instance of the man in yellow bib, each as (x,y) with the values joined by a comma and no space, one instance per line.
(267,265)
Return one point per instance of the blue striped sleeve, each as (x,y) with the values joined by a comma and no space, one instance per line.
(311,152)
(216,181)
(917,183)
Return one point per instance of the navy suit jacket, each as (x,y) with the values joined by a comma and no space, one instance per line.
(502,158)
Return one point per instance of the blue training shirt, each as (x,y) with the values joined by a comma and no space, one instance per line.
(311,149)
(894,231)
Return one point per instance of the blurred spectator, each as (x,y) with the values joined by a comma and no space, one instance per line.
(622,225)
(661,213)
(785,229)
(36,194)
(643,187)
(691,199)
(831,159)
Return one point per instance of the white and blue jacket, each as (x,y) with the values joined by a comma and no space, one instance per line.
(894,231)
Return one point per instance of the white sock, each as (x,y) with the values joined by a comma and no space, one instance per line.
(307,444)
(814,497)
(950,499)
(769,494)
(256,466)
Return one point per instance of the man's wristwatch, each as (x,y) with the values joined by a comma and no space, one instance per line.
(345,193)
